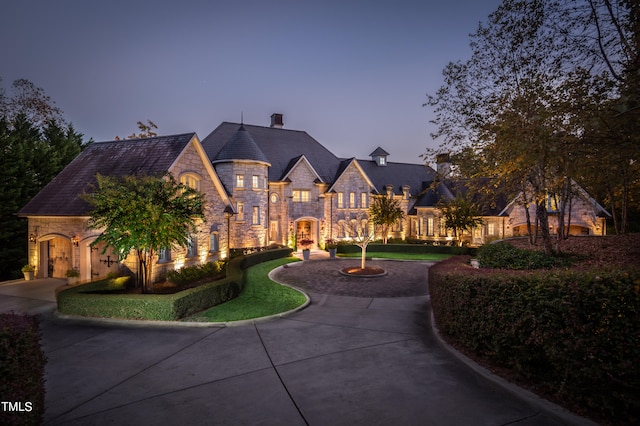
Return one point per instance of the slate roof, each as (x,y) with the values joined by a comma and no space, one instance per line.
(398,174)
(490,204)
(240,146)
(379,152)
(151,156)
(280,147)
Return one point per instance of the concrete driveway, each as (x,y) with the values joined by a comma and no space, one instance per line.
(344,360)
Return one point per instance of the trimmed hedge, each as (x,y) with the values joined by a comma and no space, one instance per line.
(91,300)
(504,255)
(574,334)
(406,248)
(22,370)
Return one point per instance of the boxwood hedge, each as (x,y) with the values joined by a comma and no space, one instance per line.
(94,300)
(572,333)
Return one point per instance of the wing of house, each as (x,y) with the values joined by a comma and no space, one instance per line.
(59,239)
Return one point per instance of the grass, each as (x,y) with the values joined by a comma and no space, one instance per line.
(260,297)
(400,256)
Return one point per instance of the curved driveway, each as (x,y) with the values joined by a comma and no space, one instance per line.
(344,360)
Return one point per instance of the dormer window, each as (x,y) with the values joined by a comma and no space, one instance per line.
(379,156)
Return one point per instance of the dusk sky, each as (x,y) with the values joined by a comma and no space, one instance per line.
(352,74)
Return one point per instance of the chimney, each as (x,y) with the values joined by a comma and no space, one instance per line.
(276,121)
(443,165)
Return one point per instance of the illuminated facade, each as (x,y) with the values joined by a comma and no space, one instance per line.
(263,185)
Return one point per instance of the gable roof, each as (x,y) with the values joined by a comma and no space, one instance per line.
(344,165)
(280,147)
(150,156)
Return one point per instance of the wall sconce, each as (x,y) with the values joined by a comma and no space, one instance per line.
(33,238)
(75,240)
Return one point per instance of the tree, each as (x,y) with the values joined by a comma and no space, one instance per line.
(508,101)
(35,145)
(144,214)
(385,212)
(146,131)
(362,233)
(459,215)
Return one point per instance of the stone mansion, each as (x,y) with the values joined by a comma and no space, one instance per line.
(262,185)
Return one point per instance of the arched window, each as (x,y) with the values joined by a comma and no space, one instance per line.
(191,180)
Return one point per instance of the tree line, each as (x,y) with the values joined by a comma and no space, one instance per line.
(550,96)
(36,143)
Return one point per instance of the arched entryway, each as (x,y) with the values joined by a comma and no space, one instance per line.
(307,229)
(55,256)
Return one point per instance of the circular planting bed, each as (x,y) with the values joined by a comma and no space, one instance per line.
(402,279)
(367,272)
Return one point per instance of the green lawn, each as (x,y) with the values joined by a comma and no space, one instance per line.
(260,297)
(401,256)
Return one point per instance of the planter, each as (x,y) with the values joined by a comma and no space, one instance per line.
(306,253)
(28,275)
(73,280)
(332,253)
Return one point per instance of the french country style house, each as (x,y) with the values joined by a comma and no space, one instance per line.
(263,185)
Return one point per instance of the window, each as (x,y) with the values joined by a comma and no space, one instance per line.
(255,217)
(382,161)
(164,255)
(491,228)
(273,230)
(255,182)
(340,200)
(190,180)
(192,246)
(214,242)
(429,226)
(239,181)
(363,200)
(274,198)
(352,199)
(240,210)
(301,196)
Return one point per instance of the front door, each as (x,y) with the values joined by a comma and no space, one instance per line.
(306,230)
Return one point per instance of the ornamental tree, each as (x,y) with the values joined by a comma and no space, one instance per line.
(385,212)
(145,214)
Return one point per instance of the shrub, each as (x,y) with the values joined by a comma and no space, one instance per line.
(504,255)
(191,274)
(573,334)
(22,369)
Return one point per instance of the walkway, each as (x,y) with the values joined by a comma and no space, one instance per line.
(345,360)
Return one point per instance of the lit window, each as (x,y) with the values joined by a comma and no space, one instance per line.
(191,181)
(430,226)
(352,199)
(340,200)
(363,200)
(239,181)
(274,198)
(255,182)
(301,196)
(382,161)
(255,218)
(240,210)
(491,229)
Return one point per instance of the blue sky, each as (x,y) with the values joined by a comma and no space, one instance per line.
(353,74)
